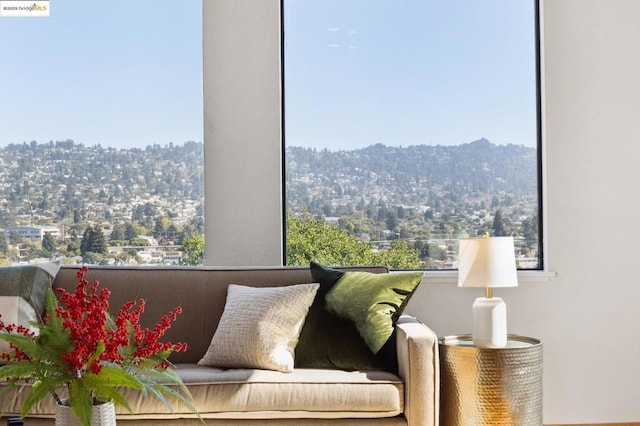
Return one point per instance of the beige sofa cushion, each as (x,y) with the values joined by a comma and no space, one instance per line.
(246,393)
(260,327)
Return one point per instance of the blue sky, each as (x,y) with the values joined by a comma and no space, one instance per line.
(358,72)
(116,73)
(408,72)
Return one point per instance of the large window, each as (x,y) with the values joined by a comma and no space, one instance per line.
(101,135)
(408,125)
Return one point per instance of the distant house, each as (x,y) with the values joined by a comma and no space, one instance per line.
(33,233)
(171,257)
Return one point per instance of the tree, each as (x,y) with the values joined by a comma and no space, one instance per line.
(93,241)
(15,238)
(118,232)
(314,239)
(4,246)
(172,233)
(93,258)
(499,224)
(430,253)
(530,230)
(48,244)
(399,256)
(130,231)
(193,250)
(160,227)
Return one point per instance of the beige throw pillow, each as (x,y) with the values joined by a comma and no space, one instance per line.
(260,326)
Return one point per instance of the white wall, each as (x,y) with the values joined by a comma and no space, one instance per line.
(242,140)
(589,316)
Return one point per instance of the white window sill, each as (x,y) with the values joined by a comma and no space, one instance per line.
(451,277)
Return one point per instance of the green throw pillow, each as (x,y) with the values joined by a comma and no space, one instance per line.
(373,302)
(328,341)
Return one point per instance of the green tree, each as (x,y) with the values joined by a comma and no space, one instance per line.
(93,241)
(193,250)
(530,230)
(430,253)
(137,242)
(93,258)
(172,233)
(118,232)
(48,244)
(160,227)
(499,224)
(4,245)
(15,238)
(399,256)
(314,239)
(130,232)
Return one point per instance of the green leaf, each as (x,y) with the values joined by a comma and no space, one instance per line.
(18,370)
(81,402)
(25,343)
(166,382)
(159,390)
(112,394)
(99,350)
(115,376)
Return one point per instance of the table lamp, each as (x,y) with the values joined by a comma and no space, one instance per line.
(488,262)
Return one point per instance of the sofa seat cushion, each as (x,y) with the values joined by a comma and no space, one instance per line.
(263,394)
(247,393)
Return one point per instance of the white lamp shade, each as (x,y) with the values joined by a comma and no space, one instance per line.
(487,262)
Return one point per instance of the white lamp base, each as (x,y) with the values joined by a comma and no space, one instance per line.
(489,323)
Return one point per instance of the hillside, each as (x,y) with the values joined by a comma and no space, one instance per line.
(426,195)
(65,182)
(415,175)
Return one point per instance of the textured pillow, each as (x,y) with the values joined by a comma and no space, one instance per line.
(260,326)
(373,302)
(23,293)
(329,341)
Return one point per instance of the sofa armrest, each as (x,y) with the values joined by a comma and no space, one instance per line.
(418,366)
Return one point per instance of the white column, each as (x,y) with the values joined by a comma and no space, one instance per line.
(242,132)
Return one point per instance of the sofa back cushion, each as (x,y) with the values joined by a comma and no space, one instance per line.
(201,291)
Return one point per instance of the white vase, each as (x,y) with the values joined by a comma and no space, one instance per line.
(104,414)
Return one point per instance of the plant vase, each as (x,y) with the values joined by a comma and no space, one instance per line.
(104,414)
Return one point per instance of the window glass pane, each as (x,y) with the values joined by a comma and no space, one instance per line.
(101,132)
(409,124)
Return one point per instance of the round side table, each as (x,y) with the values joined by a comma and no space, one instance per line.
(490,386)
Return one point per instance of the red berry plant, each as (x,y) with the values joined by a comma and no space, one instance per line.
(81,351)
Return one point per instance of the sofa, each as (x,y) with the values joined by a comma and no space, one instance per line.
(404,393)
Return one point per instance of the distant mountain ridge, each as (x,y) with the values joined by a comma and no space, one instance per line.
(415,174)
(56,182)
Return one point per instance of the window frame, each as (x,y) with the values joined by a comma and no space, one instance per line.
(540,273)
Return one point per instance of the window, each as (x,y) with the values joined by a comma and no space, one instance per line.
(409,125)
(101,136)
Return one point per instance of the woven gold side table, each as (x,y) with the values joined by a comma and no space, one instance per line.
(490,386)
